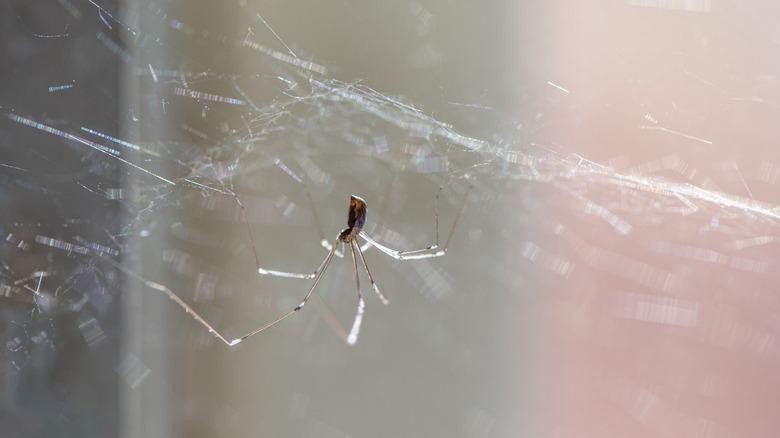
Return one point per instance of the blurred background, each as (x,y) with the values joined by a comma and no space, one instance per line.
(613,272)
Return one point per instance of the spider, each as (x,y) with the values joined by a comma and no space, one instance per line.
(356,219)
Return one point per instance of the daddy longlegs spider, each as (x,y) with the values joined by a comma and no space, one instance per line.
(356,219)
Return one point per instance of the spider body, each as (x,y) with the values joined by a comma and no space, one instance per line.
(355,220)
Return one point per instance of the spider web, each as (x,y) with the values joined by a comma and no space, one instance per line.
(612,244)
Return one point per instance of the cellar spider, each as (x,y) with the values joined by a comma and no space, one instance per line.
(356,219)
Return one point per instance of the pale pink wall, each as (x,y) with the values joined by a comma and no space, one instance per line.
(671,329)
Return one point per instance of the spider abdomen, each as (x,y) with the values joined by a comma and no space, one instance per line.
(357,213)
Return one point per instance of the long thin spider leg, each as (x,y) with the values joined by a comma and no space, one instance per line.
(421,253)
(161,288)
(300,180)
(355,331)
(328,246)
(381,296)
(187,308)
(323,241)
(414,251)
(261,270)
(320,271)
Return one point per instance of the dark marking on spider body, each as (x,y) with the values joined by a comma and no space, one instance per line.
(355,220)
